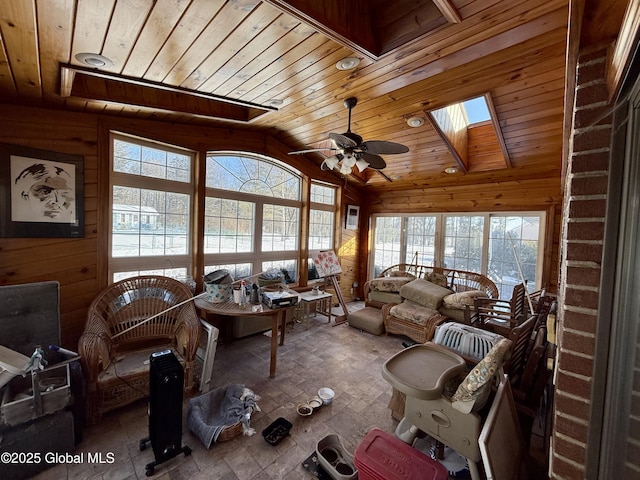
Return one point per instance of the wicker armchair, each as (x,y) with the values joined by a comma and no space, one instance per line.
(417,332)
(115,356)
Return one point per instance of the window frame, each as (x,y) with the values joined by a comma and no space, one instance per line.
(326,207)
(163,262)
(256,257)
(407,257)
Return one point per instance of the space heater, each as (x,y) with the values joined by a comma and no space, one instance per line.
(468,341)
(166,381)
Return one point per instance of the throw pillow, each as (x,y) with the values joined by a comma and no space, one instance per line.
(437,278)
(389,284)
(462,299)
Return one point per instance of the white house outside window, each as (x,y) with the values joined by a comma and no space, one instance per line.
(151,208)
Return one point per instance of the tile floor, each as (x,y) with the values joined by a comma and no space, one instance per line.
(343,358)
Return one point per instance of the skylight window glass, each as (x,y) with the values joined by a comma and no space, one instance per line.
(477,110)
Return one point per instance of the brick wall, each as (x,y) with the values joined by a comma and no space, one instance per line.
(581,249)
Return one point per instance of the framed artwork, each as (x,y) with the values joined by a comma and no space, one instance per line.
(353,213)
(42,193)
(326,262)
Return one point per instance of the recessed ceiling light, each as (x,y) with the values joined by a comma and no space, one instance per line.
(395,177)
(415,121)
(275,102)
(94,60)
(348,63)
(451,170)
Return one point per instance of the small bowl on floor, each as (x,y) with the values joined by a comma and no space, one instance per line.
(315,402)
(326,394)
(304,409)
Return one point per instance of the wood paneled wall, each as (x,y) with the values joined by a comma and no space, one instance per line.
(71,262)
(79,264)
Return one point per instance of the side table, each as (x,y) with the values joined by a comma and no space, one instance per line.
(308,298)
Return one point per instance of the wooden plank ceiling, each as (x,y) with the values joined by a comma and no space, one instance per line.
(277,60)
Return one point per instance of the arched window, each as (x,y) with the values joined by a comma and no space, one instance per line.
(252,215)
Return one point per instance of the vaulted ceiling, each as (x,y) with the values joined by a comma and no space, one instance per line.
(271,66)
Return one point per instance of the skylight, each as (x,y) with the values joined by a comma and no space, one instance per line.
(472,134)
(477,110)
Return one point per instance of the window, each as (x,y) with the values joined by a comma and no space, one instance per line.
(322,216)
(151,209)
(386,243)
(509,233)
(421,240)
(252,215)
(463,243)
(483,243)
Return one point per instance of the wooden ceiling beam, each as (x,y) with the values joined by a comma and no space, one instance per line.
(96,85)
(448,11)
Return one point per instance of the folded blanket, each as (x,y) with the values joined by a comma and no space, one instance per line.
(209,414)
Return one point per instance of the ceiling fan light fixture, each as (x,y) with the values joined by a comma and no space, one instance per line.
(415,121)
(362,164)
(349,161)
(331,162)
(348,63)
(94,60)
(345,170)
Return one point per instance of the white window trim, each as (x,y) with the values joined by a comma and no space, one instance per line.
(122,264)
(439,235)
(256,257)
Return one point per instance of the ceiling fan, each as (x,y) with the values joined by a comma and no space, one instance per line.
(352,151)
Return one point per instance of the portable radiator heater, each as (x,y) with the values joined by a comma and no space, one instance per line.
(469,341)
(166,382)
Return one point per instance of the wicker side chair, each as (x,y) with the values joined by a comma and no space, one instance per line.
(117,341)
(464,281)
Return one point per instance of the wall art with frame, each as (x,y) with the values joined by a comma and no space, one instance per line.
(42,193)
(351,220)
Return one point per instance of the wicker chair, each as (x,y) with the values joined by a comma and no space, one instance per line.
(115,352)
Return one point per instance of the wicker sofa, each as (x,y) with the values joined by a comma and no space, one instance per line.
(115,352)
(459,287)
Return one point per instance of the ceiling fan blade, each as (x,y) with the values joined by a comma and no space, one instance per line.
(381,147)
(341,141)
(312,150)
(375,161)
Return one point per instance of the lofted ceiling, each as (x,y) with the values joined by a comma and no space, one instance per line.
(271,66)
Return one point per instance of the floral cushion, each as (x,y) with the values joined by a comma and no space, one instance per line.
(425,293)
(389,284)
(413,312)
(400,273)
(462,299)
(475,385)
(437,278)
